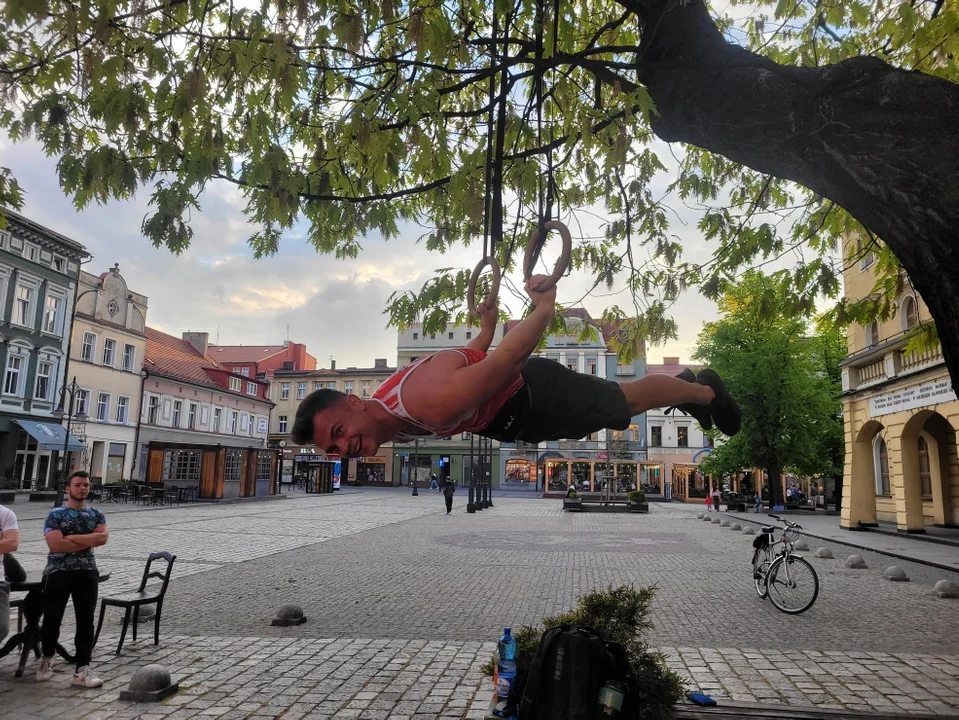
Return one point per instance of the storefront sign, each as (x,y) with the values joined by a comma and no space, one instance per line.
(261,427)
(913,397)
(117,449)
(375,459)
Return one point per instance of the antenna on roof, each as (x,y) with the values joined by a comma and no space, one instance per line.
(288,332)
(218,333)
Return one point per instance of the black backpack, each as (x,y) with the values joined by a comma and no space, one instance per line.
(566,675)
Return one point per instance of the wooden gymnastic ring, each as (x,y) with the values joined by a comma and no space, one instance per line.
(490,301)
(536,241)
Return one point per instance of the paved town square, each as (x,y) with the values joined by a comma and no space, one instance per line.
(404,604)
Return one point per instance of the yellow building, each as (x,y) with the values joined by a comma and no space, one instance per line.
(900,417)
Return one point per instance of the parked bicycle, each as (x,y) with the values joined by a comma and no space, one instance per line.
(787,579)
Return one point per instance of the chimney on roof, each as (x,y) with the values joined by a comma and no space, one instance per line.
(379,364)
(670,361)
(199,340)
(332,364)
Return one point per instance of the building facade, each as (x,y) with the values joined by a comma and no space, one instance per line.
(309,464)
(676,445)
(107,350)
(38,285)
(263,360)
(901,415)
(200,424)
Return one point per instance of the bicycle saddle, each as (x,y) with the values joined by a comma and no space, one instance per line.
(768,530)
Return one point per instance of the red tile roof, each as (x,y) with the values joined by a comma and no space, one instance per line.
(671,368)
(177,359)
(243,353)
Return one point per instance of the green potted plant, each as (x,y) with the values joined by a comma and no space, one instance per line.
(637,501)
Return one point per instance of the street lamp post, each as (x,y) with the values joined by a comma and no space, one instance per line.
(72,390)
(416,462)
(471,505)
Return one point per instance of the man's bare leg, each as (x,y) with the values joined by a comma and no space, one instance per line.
(654,391)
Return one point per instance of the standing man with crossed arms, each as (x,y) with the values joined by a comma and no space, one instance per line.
(72,531)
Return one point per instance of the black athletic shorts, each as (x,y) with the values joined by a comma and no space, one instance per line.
(556,403)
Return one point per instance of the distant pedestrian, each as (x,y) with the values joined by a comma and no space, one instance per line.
(758,502)
(716,497)
(709,504)
(433,484)
(448,489)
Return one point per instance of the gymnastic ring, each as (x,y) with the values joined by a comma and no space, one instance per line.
(490,301)
(536,240)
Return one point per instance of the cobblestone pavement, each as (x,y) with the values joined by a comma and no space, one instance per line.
(403,604)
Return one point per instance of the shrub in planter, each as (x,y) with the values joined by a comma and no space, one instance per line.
(618,615)
(636,496)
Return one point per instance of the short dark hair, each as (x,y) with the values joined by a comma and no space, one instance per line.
(313,403)
(79,474)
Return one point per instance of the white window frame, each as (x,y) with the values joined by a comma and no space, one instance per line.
(234,421)
(5,273)
(284,424)
(153,406)
(204,415)
(133,357)
(251,388)
(50,376)
(177,412)
(217,414)
(34,288)
(284,391)
(57,314)
(904,318)
(236,385)
(82,402)
(21,372)
(236,371)
(191,416)
(245,372)
(123,403)
(31,252)
(113,351)
(62,261)
(348,387)
(103,416)
(93,346)
(251,425)
(365,389)
(300,390)
(871,337)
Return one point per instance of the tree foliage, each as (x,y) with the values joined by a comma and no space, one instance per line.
(369,117)
(785,378)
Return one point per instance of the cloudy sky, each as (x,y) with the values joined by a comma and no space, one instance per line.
(334,306)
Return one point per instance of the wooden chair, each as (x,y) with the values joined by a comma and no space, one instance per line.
(132,602)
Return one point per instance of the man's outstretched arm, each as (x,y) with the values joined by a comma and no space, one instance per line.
(469,386)
(487,331)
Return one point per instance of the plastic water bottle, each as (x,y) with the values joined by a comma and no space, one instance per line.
(505,669)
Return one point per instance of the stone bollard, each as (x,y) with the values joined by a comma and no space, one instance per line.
(151,683)
(289,615)
(717,519)
(896,574)
(748,530)
(947,589)
(147,613)
(735,526)
(856,562)
(707,517)
(699,516)
(800,545)
(824,553)
(724,523)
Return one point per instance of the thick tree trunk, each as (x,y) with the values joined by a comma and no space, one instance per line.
(775,476)
(881,142)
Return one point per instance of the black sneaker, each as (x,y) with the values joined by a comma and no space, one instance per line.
(724,410)
(699,412)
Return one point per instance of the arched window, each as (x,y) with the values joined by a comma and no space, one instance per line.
(872,334)
(909,312)
(880,458)
(925,473)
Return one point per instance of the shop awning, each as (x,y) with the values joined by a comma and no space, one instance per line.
(50,436)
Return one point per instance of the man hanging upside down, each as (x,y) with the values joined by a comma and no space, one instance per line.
(505,395)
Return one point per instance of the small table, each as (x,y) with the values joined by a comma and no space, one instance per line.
(29,638)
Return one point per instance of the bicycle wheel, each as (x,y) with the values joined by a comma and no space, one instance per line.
(792,584)
(760,570)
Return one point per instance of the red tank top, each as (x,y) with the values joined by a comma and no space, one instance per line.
(390,396)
